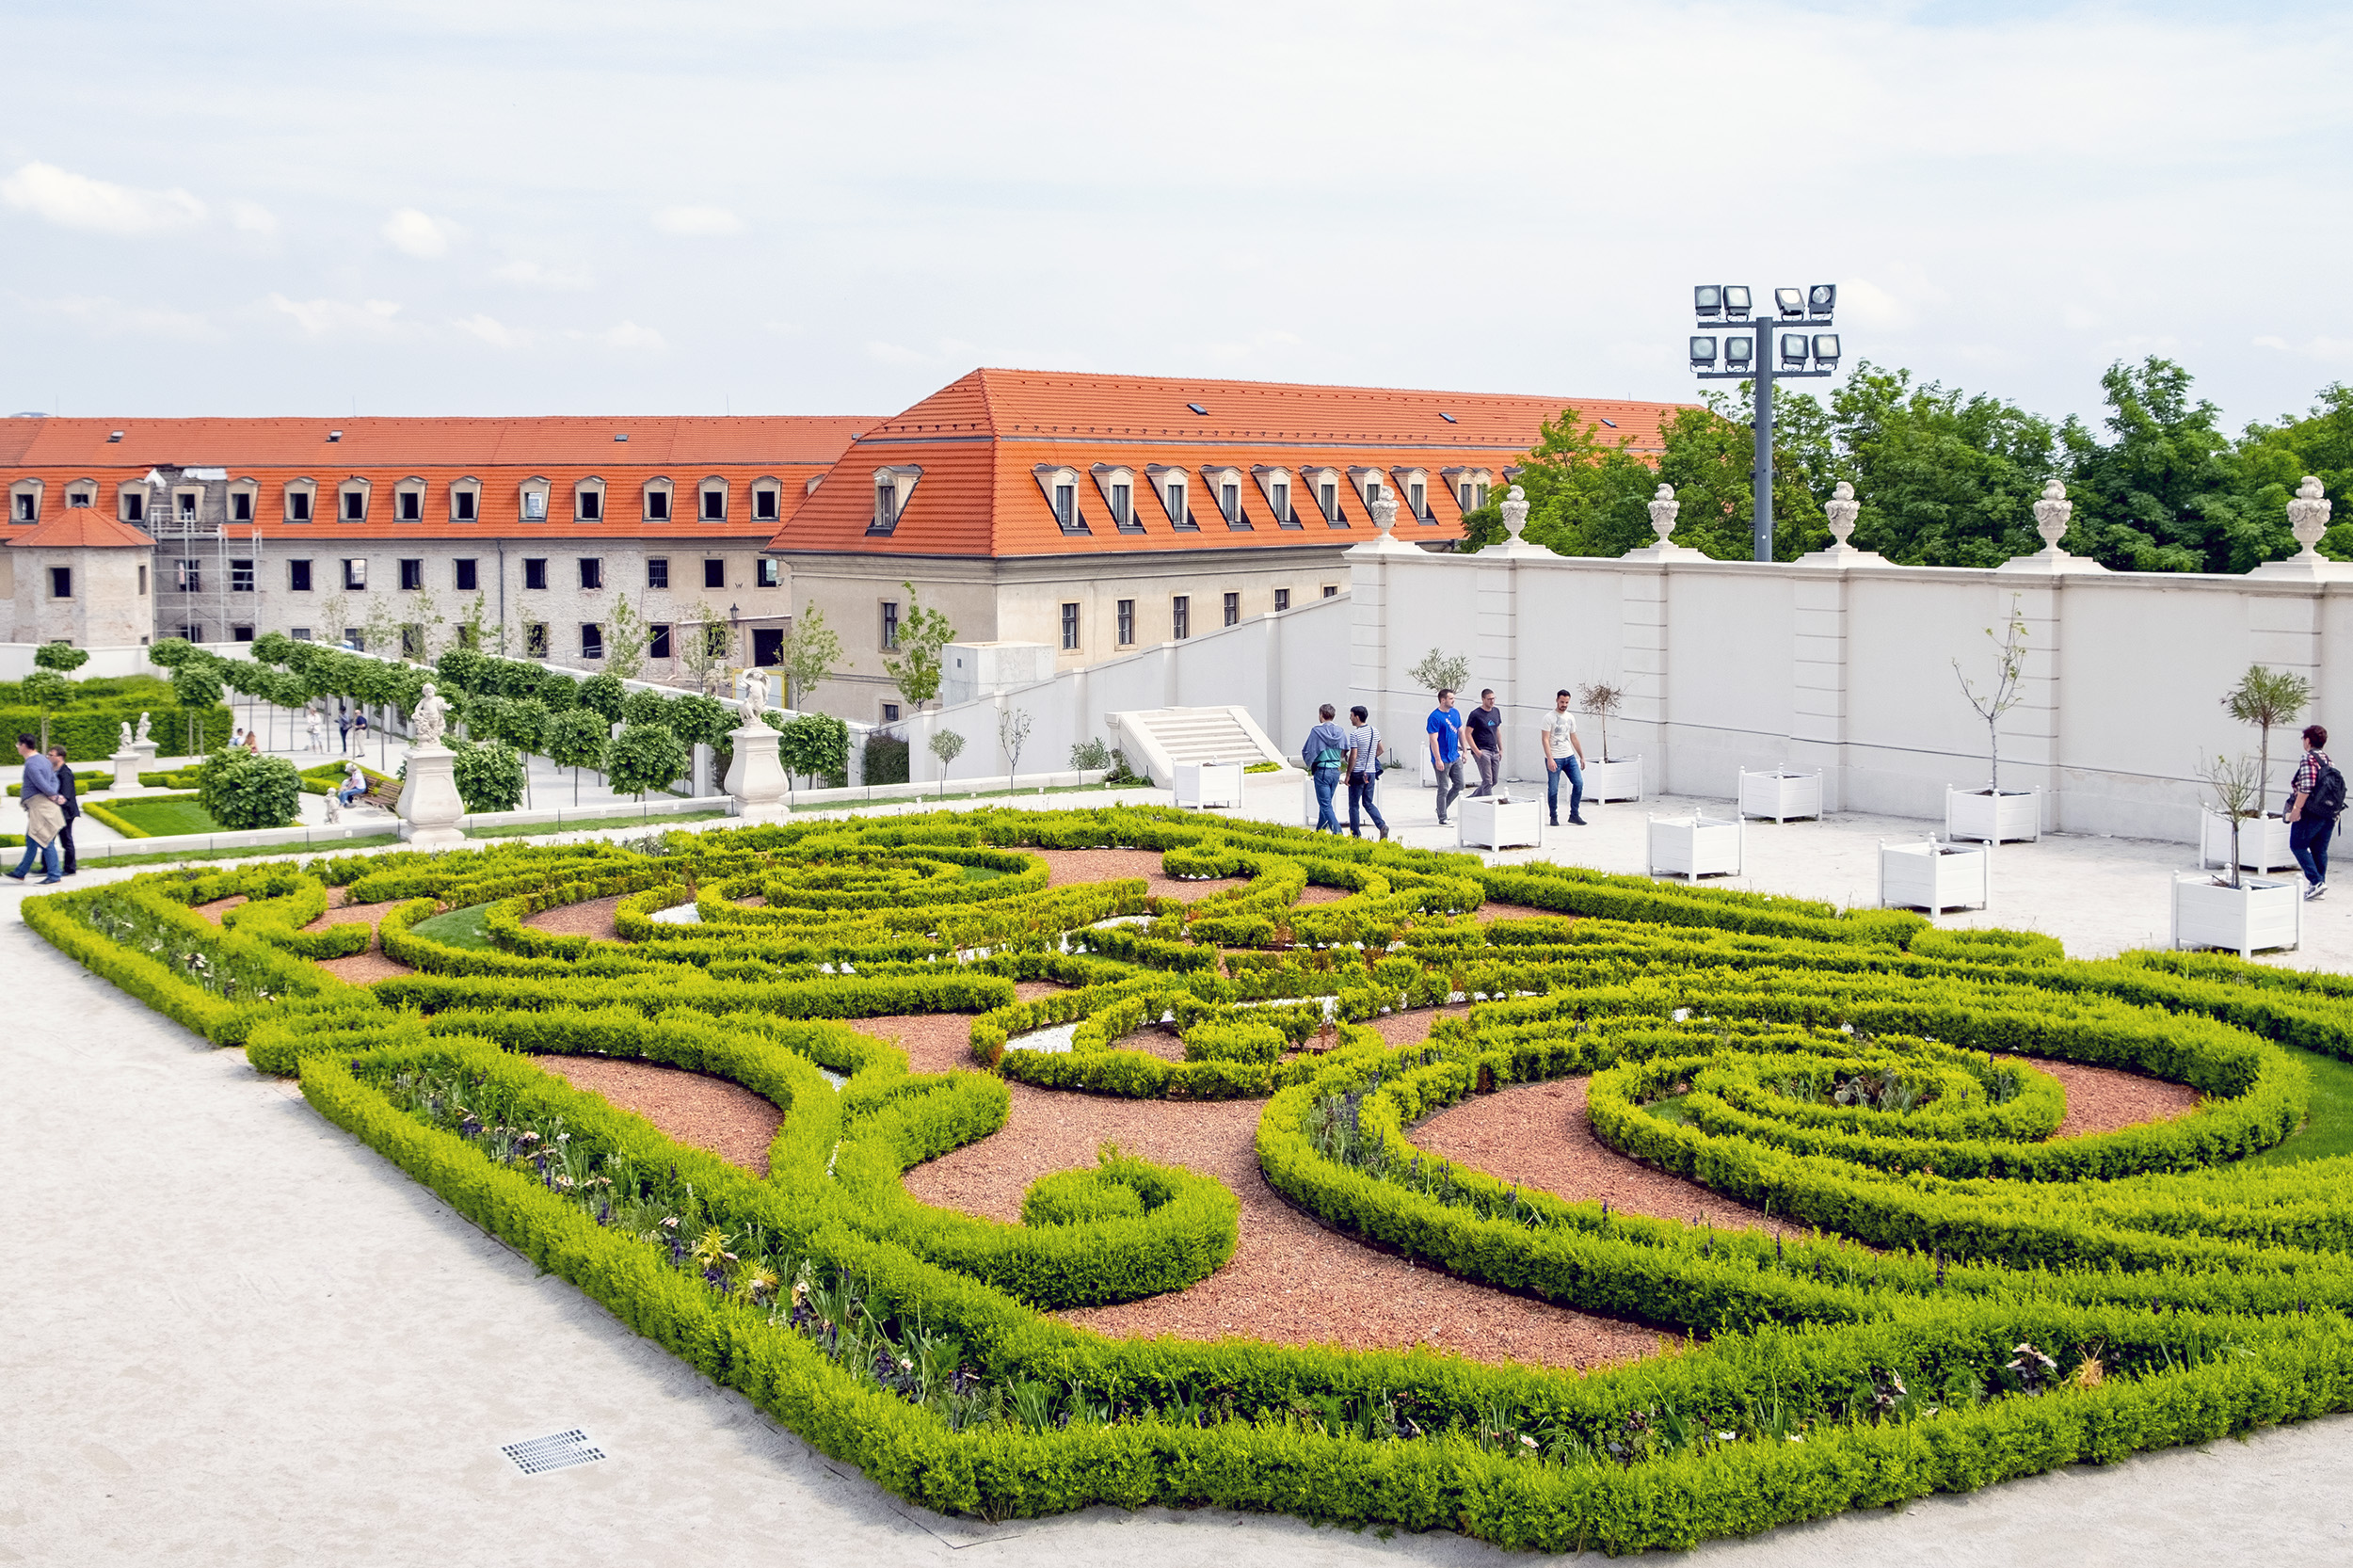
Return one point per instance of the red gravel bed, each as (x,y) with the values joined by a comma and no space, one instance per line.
(1412,1027)
(1030,990)
(935,1042)
(2107,1100)
(219,907)
(1494,911)
(1315,892)
(592,919)
(1073,866)
(365,969)
(711,1113)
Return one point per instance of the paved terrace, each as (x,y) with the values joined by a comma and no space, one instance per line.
(235,1336)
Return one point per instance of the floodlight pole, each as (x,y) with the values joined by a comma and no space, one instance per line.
(1762,478)
(1766,328)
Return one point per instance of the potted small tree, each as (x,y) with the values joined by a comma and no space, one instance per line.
(2225,909)
(1607,778)
(2263,698)
(1438,671)
(1993,815)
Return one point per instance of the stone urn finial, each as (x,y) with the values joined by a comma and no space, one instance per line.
(1662,512)
(1385,513)
(2050,516)
(1515,513)
(1841,509)
(2308,517)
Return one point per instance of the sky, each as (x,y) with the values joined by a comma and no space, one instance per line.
(506,206)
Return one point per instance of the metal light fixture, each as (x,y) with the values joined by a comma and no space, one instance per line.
(1794,350)
(1740,349)
(1752,356)
(1825,348)
(1707,299)
(1735,301)
(1791,302)
(1704,353)
(1822,299)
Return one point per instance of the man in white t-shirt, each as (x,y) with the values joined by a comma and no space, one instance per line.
(1564,756)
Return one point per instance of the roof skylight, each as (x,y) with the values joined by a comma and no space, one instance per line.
(1197,408)
(1449,418)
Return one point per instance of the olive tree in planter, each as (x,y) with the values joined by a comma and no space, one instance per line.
(946,745)
(1993,815)
(2242,914)
(1438,671)
(2263,698)
(1607,778)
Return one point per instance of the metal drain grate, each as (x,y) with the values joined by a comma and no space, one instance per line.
(559,1452)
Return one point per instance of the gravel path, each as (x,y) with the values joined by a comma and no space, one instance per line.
(219,907)
(592,919)
(364,968)
(706,1113)
(2102,1100)
(1071,867)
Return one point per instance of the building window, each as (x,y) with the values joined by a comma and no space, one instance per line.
(1233,609)
(1069,628)
(715,506)
(715,573)
(1176,503)
(462,505)
(298,506)
(771,573)
(591,640)
(355,507)
(355,639)
(1282,598)
(1417,500)
(468,578)
(186,506)
(411,505)
(411,640)
(1127,621)
(591,572)
(536,640)
(764,505)
(591,506)
(241,506)
(241,634)
(1281,491)
(1229,501)
(300,633)
(240,577)
(657,505)
(298,577)
(356,572)
(1183,616)
(890,623)
(534,572)
(1121,504)
(890,712)
(193,633)
(536,507)
(61,581)
(717,639)
(189,578)
(143,581)
(1331,590)
(658,572)
(412,576)
(133,506)
(1065,504)
(27,507)
(468,637)
(658,645)
(1328,497)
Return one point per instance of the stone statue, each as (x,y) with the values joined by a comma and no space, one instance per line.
(753,684)
(141,737)
(431,717)
(126,744)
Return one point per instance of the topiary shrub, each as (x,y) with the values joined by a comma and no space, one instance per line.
(815,745)
(242,791)
(644,756)
(489,777)
(645,706)
(885,759)
(604,694)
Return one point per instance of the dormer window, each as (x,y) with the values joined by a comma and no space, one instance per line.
(244,500)
(714,500)
(766,504)
(408,500)
(301,499)
(657,500)
(351,502)
(1275,484)
(1123,505)
(534,500)
(1174,491)
(588,501)
(131,503)
(1061,489)
(894,488)
(886,503)
(465,500)
(1067,505)
(1117,485)
(81,494)
(25,501)
(1412,487)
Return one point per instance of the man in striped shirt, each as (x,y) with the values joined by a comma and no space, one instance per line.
(2308,832)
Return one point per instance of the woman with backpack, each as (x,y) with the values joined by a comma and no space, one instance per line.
(2314,798)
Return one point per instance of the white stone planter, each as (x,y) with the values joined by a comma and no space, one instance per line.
(2014,816)
(1207,784)
(2260,913)
(1781,795)
(1935,877)
(1695,846)
(1493,824)
(1618,779)
(2263,842)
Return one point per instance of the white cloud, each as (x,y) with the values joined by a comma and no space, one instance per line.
(251,217)
(76,201)
(420,234)
(628,335)
(892,354)
(324,318)
(2311,349)
(697,220)
(493,331)
(537,275)
(113,318)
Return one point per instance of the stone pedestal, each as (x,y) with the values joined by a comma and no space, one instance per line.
(756,781)
(430,804)
(129,764)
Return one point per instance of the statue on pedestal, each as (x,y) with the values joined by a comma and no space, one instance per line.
(753,685)
(141,737)
(431,717)
(126,742)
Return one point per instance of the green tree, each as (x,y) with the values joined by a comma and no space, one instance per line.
(923,635)
(644,705)
(489,777)
(243,791)
(2162,492)
(812,653)
(195,686)
(812,745)
(2266,698)
(946,745)
(577,740)
(1946,478)
(645,757)
(64,658)
(604,694)
(627,638)
(47,691)
(1585,492)
(707,643)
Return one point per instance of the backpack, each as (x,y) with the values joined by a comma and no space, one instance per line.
(2328,793)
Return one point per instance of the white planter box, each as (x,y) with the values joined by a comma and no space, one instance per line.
(1493,824)
(2259,913)
(2263,842)
(1935,877)
(2011,817)
(1206,784)
(1618,779)
(1695,846)
(1781,795)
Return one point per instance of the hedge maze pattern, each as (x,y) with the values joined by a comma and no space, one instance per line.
(1975,1300)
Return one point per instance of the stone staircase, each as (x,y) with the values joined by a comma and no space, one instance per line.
(1156,740)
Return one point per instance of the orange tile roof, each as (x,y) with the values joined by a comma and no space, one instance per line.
(80,528)
(978,440)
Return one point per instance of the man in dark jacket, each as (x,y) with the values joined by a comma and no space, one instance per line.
(73,809)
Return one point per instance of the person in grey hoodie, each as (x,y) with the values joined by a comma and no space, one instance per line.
(1325,750)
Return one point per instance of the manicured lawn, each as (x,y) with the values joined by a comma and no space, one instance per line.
(341,846)
(2329,1125)
(457,928)
(546,829)
(163,818)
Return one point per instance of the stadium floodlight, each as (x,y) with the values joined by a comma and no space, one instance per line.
(1791,303)
(1822,299)
(1739,350)
(1704,353)
(1735,301)
(1794,350)
(1825,350)
(1707,301)
(1801,318)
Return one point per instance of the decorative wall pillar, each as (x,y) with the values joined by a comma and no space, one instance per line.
(2030,731)
(1818,726)
(1370,581)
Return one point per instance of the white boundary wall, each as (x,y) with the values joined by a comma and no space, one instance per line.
(1733,663)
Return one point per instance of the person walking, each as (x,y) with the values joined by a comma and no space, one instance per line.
(2316,796)
(342,729)
(44,813)
(359,733)
(1564,758)
(69,799)
(1326,752)
(318,733)
(1484,724)
(1364,772)
(1445,732)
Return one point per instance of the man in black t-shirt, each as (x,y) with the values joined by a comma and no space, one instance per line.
(1484,727)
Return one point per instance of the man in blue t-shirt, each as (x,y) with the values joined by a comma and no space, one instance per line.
(1445,750)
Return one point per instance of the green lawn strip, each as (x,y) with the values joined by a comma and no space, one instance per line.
(167,818)
(588,825)
(954,795)
(173,858)
(458,928)
(2328,1125)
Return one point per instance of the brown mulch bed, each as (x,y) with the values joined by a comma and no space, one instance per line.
(1412,1027)
(711,1113)
(1073,866)
(592,919)
(1315,892)
(1030,990)
(2106,1099)
(365,969)
(935,1042)
(1490,910)
(219,907)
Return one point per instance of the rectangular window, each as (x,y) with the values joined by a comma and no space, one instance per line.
(468,578)
(354,506)
(715,506)
(193,633)
(1480,493)
(355,639)
(1176,504)
(764,505)
(1281,491)
(591,506)
(536,640)
(411,575)
(411,505)
(771,573)
(890,712)
(135,508)
(189,579)
(467,638)
(591,640)
(890,623)
(534,572)
(1328,496)
(356,573)
(715,573)
(241,506)
(1065,504)
(143,581)
(299,507)
(1417,500)
(1331,590)
(658,645)
(1183,616)
(1463,496)
(186,507)
(716,638)
(1372,491)
(1229,502)
(657,505)
(300,633)
(1127,622)
(1120,505)
(464,502)
(591,572)
(535,508)
(1233,609)
(241,634)
(298,577)
(658,572)
(25,507)
(1282,598)
(61,581)
(240,577)
(1069,628)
